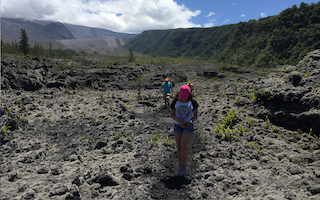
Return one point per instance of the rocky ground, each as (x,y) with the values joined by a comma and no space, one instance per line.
(80,130)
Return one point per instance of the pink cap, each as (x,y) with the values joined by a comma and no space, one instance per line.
(184,92)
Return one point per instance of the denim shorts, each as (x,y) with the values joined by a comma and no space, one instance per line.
(178,130)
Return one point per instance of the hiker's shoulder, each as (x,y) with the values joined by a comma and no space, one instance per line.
(173,104)
(194,103)
(174,100)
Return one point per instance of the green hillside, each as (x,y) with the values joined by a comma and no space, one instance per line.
(145,40)
(279,39)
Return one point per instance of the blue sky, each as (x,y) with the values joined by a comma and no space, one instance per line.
(136,16)
(221,12)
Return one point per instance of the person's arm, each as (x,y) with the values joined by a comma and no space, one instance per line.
(195,115)
(173,115)
(175,118)
(194,118)
(194,112)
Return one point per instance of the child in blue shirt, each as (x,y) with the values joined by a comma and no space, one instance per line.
(167,89)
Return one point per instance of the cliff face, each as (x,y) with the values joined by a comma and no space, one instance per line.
(292,98)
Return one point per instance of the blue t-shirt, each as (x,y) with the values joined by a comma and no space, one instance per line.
(167,86)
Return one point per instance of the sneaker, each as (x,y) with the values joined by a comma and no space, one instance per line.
(183,171)
(179,172)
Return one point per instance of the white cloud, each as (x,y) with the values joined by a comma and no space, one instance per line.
(129,16)
(263,15)
(210,23)
(243,15)
(226,21)
(211,13)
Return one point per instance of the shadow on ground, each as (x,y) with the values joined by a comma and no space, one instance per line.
(175,182)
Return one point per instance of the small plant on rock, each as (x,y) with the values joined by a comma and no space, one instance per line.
(227,134)
(128,138)
(50,146)
(315,146)
(224,94)
(306,74)
(26,119)
(279,135)
(127,107)
(155,139)
(274,128)
(152,96)
(219,128)
(252,96)
(260,151)
(236,101)
(230,118)
(8,109)
(266,123)
(168,142)
(311,131)
(250,121)
(117,136)
(283,69)
(241,130)
(252,144)
(5,129)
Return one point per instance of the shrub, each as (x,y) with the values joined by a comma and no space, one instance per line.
(168,142)
(117,136)
(241,130)
(155,139)
(250,122)
(230,118)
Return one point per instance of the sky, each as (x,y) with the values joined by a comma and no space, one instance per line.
(136,16)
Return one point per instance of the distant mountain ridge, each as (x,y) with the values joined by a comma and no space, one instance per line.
(56,30)
(68,35)
(83,32)
(48,30)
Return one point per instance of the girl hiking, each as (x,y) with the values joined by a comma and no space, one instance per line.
(184,111)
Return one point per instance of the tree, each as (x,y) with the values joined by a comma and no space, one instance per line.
(50,50)
(37,49)
(131,56)
(23,44)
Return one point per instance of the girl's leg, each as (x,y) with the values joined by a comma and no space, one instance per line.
(184,148)
(178,142)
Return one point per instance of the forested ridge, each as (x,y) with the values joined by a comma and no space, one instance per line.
(276,40)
